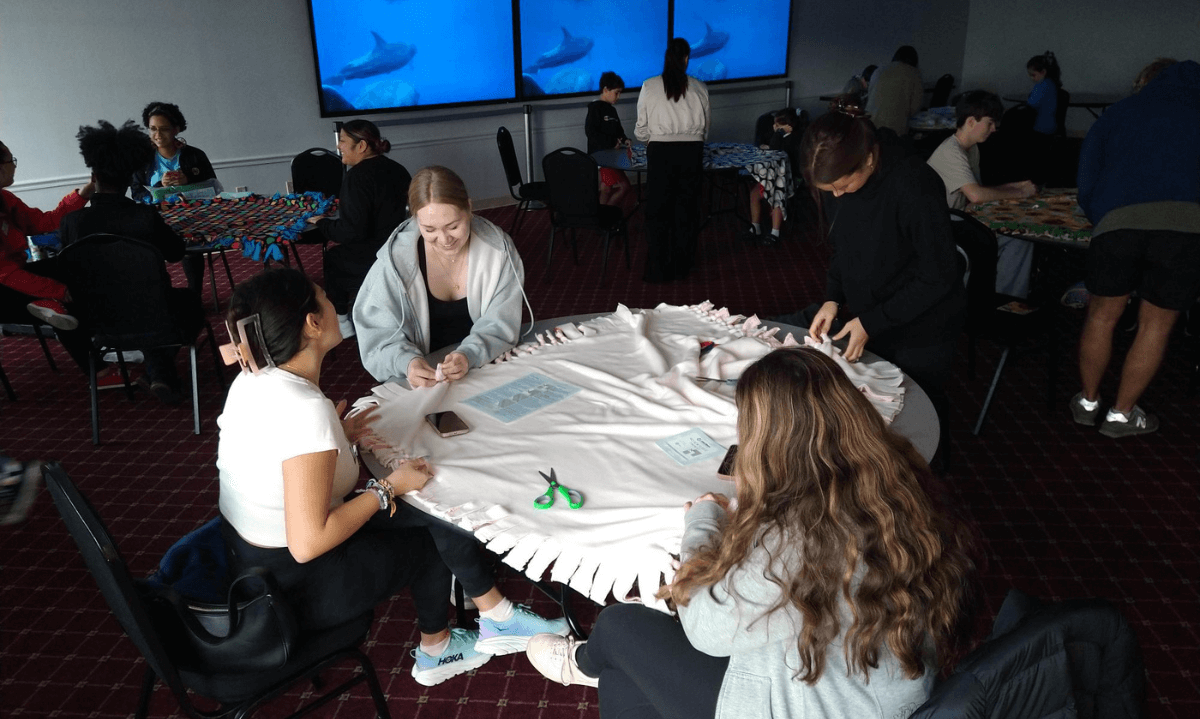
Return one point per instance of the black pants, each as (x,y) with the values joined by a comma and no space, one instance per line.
(647,667)
(345,268)
(13,309)
(674,174)
(188,313)
(928,366)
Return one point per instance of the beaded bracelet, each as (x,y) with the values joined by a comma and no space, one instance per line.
(387,497)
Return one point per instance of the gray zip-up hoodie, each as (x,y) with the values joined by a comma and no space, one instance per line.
(391,313)
(762,647)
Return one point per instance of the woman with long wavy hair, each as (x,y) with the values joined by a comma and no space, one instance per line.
(832,587)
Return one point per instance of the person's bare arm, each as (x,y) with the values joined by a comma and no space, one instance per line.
(976,193)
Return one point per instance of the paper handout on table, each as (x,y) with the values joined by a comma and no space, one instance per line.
(522,396)
(690,447)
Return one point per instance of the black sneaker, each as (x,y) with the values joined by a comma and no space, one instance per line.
(18,487)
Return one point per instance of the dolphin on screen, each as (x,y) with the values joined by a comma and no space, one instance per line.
(385,57)
(569,50)
(713,40)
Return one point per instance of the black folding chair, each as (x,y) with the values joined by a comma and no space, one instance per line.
(315,170)
(525,193)
(238,693)
(574,181)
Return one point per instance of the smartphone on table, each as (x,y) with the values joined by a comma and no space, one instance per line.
(725,471)
(447,424)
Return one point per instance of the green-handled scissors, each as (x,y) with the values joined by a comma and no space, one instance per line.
(546,501)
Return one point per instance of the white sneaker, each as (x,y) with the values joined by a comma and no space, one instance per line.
(346,325)
(554,657)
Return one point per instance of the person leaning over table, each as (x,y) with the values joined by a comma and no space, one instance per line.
(896,91)
(176,163)
(112,154)
(835,588)
(370,206)
(445,277)
(956,161)
(1139,184)
(895,270)
(287,468)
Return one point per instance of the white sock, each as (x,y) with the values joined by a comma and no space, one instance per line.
(1115,416)
(774,233)
(502,612)
(756,227)
(436,650)
(1089,404)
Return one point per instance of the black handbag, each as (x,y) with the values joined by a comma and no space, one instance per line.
(255,630)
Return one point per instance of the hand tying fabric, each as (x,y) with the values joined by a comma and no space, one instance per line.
(720,499)
(357,425)
(420,374)
(824,320)
(454,367)
(858,339)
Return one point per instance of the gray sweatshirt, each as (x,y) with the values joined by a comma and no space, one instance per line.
(762,649)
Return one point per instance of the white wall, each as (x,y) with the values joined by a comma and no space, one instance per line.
(1100,44)
(242,73)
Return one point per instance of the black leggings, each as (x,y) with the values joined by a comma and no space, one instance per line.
(346,267)
(647,667)
(674,174)
(410,549)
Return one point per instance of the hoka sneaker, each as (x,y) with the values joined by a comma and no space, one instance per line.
(459,657)
(513,636)
(1117,424)
(554,657)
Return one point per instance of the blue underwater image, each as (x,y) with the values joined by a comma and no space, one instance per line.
(733,39)
(375,54)
(567,44)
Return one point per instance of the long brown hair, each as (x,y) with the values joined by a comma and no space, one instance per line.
(837,144)
(674,74)
(836,498)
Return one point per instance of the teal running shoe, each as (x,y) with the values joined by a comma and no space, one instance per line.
(513,636)
(460,657)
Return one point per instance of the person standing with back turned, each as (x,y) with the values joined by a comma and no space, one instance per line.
(673,117)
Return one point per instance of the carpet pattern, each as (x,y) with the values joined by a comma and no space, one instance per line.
(1065,511)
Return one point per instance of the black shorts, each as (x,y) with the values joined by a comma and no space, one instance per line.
(1161,265)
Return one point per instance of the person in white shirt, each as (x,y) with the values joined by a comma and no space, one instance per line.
(673,117)
(287,464)
(956,161)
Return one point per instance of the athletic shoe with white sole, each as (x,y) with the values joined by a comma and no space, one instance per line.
(460,657)
(513,636)
(53,313)
(1083,415)
(554,657)
(18,487)
(1117,424)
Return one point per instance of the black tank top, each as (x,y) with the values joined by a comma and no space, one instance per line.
(449,321)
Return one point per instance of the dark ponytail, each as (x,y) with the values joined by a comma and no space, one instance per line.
(283,298)
(1048,64)
(366,131)
(674,74)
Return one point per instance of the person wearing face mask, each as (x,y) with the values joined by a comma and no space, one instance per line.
(956,161)
(445,277)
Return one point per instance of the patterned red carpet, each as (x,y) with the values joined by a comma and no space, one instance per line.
(1066,512)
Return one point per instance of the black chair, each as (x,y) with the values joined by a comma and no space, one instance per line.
(124,298)
(941,91)
(525,193)
(1077,658)
(8,388)
(987,319)
(238,693)
(315,170)
(574,180)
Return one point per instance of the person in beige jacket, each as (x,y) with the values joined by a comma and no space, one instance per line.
(896,92)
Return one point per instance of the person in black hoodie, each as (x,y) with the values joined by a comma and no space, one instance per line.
(372,204)
(113,154)
(604,132)
(895,273)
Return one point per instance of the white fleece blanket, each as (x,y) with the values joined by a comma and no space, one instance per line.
(636,372)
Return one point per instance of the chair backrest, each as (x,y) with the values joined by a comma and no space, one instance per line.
(508,156)
(108,568)
(1060,112)
(573,180)
(941,91)
(979,244)
(119,289)
(317,170)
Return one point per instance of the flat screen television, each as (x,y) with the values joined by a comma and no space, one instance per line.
(734,40)
(567,44)
(382,55)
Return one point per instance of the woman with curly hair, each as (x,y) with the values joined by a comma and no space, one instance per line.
(830,587)
(176,163)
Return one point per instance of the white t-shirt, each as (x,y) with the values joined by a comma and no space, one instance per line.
(956,167)
(268,418)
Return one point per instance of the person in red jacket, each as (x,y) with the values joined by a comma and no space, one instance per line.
(33,286)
